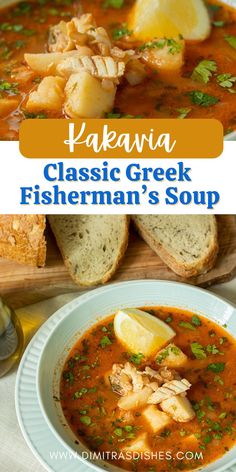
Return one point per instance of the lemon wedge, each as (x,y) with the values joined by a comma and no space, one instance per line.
(151,19)
(141,332)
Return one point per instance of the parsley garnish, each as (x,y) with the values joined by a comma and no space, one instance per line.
(121,31)
(196,320)
(231,40)
(113,4)
(202,99)
(226,80)
(216,367)
(198,351)
(174,46)
(105,341)
(187,325)
(183,112)
(136,358)
(203,71)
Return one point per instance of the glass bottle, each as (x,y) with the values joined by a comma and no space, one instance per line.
(11,338)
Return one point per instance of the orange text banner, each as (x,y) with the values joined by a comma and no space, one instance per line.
(121,138)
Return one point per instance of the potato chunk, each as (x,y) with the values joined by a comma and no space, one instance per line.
(87,98)
(49,95)
(171,356)
(135,400)
(156,419)
(7,105)
(165,57)
(46,63)
(179,408)
(138,445)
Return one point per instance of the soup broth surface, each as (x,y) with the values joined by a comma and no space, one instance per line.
(90,405)
(24,28)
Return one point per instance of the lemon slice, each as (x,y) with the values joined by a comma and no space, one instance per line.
(169,18)
(141,332)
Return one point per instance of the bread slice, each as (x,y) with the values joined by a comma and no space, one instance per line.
(188,244)
(92,246)
(22,239)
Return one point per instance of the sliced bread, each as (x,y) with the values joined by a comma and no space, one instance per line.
(22,239)
(188,244)
(92,246)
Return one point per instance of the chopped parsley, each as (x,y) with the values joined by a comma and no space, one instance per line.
(186,325)
(165,353)
(231,40)
(113,4)
(183,112)
(196,320)
(11,88)
(226,80)
(203,99)
(218,24)
(86,420)
(136,358)
(121,31)
(203,71)
(169,319)
(216,367)
(105,341)
(198,351)
(173,46)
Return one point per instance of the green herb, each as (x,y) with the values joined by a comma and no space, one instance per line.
(226,80)
(8,87)
(69,377)
(169,319)
(32,116)
(212,349)
(231,40)
(128,428)
(198,351)
(223,340)
(182,433)
(203,71)
(187,325)
(105,341)
(118,432)
(216,367)
(196,320)
(164,354)
(219,380)
(85,420)
(113,4)
(80,393)
(223,415)
(183,112)
(218,24)
(202,99)
(121,31)
(136,358)
(173,46)
(166,433)
(118,115)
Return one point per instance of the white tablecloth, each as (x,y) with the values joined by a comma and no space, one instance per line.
(15,455)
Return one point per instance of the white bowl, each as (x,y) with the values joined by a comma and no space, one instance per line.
(97,304)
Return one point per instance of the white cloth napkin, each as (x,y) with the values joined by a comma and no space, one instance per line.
(15,456)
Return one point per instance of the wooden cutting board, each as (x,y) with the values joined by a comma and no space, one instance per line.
(22,285)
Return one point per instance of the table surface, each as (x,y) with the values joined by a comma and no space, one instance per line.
(14,452)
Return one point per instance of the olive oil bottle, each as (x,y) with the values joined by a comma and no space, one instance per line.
(11,338)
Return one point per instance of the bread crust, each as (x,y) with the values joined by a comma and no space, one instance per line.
(184,270)
(114,267)
(22,239)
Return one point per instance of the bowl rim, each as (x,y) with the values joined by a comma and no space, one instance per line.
(92,294)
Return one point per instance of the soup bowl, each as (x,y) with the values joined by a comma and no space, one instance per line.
(228,137)
(69,323)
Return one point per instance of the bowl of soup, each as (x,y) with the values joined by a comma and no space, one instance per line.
(162,78)
(142,375)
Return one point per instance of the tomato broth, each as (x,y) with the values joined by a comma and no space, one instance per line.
(24,28)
